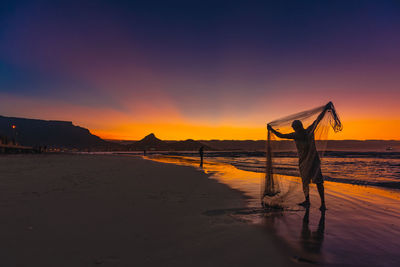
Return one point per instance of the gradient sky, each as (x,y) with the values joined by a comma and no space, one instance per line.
(201,69)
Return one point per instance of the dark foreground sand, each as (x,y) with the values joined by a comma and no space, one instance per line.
(91,210)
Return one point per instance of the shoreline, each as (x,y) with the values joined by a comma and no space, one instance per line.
(360,227)
(86,210)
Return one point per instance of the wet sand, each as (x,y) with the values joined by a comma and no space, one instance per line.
(108,210)
(360,228)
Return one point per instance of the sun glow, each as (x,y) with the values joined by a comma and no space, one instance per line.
(354,129)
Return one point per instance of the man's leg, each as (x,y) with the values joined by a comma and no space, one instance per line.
(306,190)
(321,192)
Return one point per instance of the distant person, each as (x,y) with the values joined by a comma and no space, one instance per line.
(201,152)
(144,152)
(309,162)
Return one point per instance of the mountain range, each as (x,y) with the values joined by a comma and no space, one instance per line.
(66,135)
(50,133)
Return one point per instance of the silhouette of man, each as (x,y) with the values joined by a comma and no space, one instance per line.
(201,152)
(309,161)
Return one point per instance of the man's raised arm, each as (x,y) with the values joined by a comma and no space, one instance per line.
(280,135)
(314,125)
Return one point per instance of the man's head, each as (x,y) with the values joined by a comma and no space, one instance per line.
(297,125)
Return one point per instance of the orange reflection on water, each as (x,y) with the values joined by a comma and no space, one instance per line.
(250,182)
(244,181)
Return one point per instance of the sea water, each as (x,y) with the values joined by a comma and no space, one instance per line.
(375,168)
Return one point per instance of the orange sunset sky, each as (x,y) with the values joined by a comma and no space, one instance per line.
(201,70)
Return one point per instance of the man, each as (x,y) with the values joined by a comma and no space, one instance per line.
(201,152)
(309,162)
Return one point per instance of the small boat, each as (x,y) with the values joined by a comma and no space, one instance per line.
(389,148)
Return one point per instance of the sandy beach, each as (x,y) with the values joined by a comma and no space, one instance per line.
(108,210)
(360,228)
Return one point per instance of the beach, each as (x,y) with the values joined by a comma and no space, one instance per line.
(360,228)
(115,210)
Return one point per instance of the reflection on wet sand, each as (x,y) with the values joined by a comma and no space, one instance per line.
(305,240)
(247,182)
(363,222)
(311,241)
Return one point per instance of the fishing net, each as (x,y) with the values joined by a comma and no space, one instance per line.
(297,153)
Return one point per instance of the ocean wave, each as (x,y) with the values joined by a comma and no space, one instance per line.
(386,183)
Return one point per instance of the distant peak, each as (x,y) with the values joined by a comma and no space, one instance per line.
(150,137)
